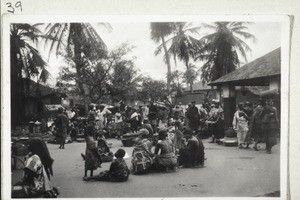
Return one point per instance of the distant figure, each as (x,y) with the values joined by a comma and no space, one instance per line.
(74,131)
(118,123)
(270,124)
(240,125)
(134,120)
(193,117)
(118,171)
(153,115)
(256,125)
(61,124)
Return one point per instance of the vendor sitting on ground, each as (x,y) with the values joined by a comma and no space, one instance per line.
(118,171)
(148,126)
(192,155)
(38,168)
(142,158)
(166,160)
(103,148)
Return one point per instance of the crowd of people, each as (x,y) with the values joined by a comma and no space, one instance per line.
(168,138)
(258,123)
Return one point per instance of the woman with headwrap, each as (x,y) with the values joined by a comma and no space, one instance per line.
(38,168)
(142,158)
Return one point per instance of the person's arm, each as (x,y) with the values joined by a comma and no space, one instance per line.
(113,166)
(234,122)
(157,147)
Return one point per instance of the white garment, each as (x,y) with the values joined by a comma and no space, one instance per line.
(240,125)
(118,118)
(134,115)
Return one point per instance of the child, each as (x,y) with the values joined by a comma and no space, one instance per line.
(92,155)
(118,171)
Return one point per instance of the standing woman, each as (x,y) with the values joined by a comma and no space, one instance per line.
(270,124)
(61,124)
(240,124)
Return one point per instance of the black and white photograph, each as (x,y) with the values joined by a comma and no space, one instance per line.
(146,106)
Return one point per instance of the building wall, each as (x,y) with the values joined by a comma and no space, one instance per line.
(249,96)
(196,96)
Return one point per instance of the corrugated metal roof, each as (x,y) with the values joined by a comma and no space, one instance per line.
(265,66)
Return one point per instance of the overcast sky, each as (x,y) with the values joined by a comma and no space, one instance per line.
(138,35)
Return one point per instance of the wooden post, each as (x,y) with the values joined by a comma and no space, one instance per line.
(229,104)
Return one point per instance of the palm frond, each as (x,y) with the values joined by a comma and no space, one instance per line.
(209,26)
(247,35)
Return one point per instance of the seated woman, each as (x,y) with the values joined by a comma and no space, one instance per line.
(166,160)
(142,158)
(192,155)
(38,168)
(103,148)
(118,171)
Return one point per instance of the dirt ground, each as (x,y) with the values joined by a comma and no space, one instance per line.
(229,172)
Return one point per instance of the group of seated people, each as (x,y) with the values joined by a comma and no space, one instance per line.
(150,155)
(170,152)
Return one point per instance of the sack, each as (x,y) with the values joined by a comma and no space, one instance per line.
(230,133)
(19,149)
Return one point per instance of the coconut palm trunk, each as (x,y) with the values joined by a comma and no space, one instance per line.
(167,62)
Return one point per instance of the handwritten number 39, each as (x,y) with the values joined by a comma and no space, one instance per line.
(12,8)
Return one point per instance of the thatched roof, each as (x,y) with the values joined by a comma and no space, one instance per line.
(256,72)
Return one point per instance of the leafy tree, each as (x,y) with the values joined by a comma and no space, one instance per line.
(176,82)
(159,31)
(81,43)
(26,62)
(222,48)
(112,78)
(153,90)
(124,79)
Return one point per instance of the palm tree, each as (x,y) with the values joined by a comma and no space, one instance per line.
(222,49)
(183,45)
(26,62)
(160,30)
(78,41)
(190,75)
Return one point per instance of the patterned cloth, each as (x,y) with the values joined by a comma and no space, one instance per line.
(141,156)
(93,158)
(118,172)
(34,166)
